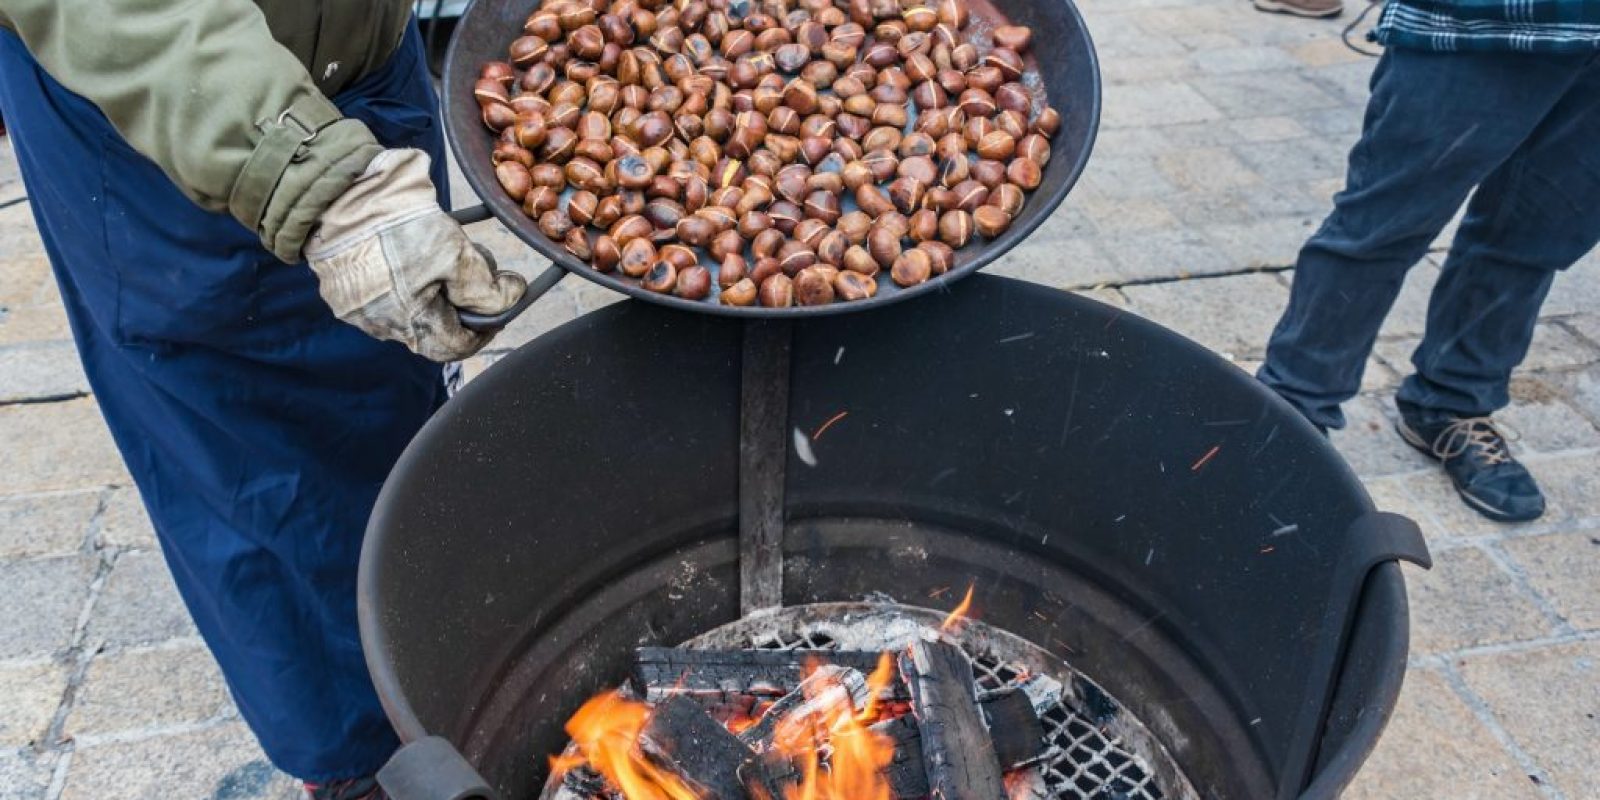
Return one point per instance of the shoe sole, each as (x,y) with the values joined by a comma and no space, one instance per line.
(1284,8)
(1414,439)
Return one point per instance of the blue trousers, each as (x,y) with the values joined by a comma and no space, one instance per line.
(257,426)
(1524,130)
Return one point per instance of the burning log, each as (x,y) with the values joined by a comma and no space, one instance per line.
(661,672)
(688,742)
(1013,725)
(831,689)
(958,755)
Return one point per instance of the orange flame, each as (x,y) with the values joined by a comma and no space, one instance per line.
(606,731)
(858,755)
(959,615)
(839,755)
(876,683)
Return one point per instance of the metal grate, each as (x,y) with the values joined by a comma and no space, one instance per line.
(1084,762)
(1098,750)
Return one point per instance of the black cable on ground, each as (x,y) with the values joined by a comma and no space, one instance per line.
(1355,23)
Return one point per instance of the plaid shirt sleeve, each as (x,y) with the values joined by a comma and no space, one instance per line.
(1527,26)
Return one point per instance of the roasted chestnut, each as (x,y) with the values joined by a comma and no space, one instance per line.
(884,245)
(955,228)
(741,293)
(694,283)
(661,277)
(990,221)
(911,268)
(813,287)
(777,291)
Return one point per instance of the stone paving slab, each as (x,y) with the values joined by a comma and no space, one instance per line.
(18,235)
(1581,388)
(1586,326)
(123,523)
(1565,569)
(38,323)
(41,371)
(1544,422)
(1468,600)
(155,687)
(25,773)
(44,598)
(26,280)
(1059,263)
(32,692)
(140,604)
(1369,443)
(10,177)
(1435,747)
(57,446)
(1192,308)
(1549,702)
(219,762)
(45,525)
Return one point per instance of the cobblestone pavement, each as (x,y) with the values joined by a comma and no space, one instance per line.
(1223,139)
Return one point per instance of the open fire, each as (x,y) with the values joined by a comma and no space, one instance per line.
(807,725)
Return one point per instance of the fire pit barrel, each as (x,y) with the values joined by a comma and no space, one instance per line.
(1140,521)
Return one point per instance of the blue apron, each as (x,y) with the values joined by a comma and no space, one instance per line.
(257,426)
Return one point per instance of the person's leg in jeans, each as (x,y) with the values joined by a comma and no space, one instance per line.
(1534,216)
(1437,125)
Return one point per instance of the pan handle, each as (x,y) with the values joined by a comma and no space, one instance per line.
(471,214)
(491,323)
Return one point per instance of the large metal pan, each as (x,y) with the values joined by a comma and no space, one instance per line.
(1065,62)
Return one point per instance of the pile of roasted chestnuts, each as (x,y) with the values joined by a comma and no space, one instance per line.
(762,151)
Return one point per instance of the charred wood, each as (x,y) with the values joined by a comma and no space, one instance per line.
(958,755)
(661,672)
(1014,726)
(688,742)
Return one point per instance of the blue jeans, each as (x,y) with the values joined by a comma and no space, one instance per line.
(257,426)
(1525,131)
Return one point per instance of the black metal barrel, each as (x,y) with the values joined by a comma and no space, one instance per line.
(1117,494)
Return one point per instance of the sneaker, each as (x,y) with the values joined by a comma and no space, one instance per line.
(349,789)
(1475,456)
(1302,8)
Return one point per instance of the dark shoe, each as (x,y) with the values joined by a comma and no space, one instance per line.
(1475,456)
(349,789)
(1303,8)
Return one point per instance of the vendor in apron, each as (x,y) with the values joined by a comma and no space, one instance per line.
(242,205)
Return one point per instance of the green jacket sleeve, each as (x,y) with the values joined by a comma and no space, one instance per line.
(202,89)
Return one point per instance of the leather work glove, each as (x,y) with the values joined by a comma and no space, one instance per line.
(391,262)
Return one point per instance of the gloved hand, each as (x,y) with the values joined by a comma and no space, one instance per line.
(395,265)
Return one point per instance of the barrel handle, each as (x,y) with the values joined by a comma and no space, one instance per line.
(430,768)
